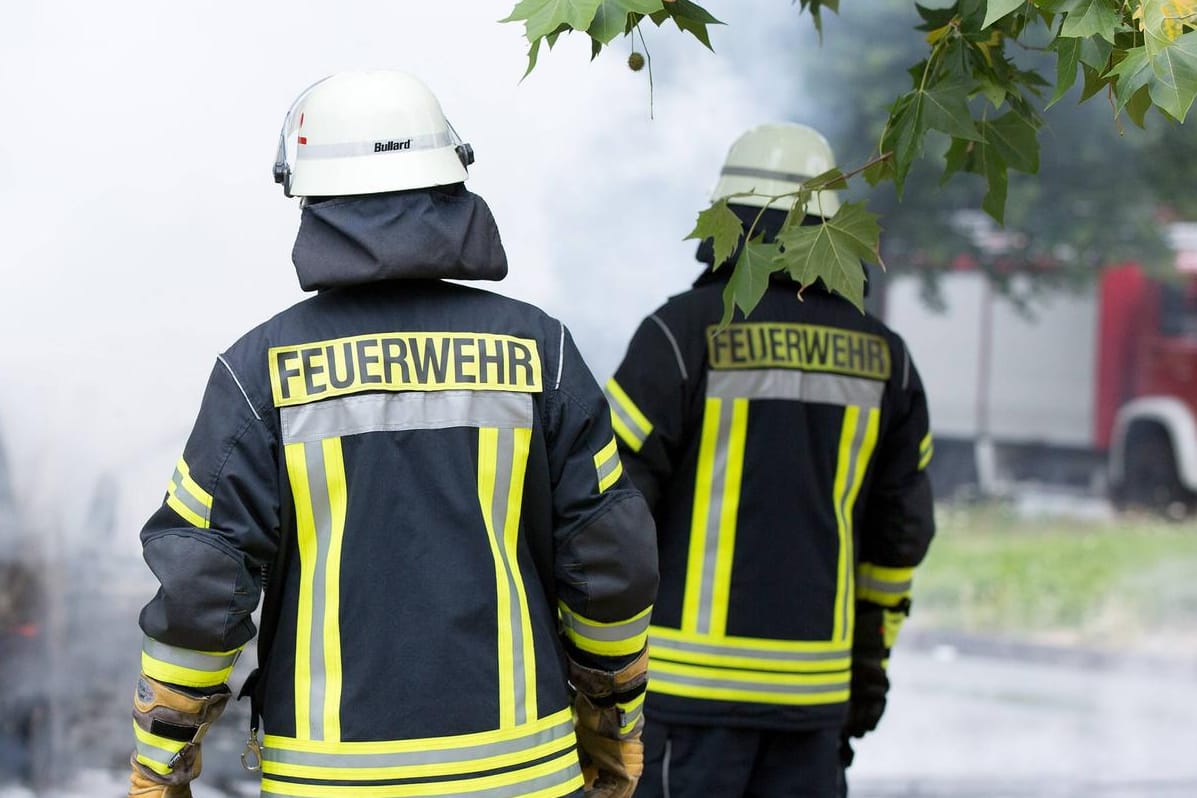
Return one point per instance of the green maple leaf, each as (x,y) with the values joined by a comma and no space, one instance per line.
(1014,138)
(997,9)
(1175,72)
(1068,58)
(1089,18)
(1132,73)
(689,17)
(542,17)
(749,279)
(833,251)
(721,224)
(610,21)
(943,107)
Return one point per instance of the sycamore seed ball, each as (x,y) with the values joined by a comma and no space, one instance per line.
(635,62)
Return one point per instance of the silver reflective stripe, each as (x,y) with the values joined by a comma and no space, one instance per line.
(724,682)
(869,583)
(355,149)
(397,412)
(186,658)
(322,518)
(610,633)
(846,510)
(754,653)
(608,467)
(629,423)
(162,756)
(568,772)
(764,174)
(466,755)
(630,716)
(801,386)
(184,495)
(717,487)
(504,458)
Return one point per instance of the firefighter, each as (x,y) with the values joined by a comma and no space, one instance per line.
(428,475)
(784,461)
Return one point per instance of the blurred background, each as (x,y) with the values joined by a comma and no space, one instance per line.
(1053,645)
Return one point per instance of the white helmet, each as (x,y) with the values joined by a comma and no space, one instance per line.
(776,159)
(366,133)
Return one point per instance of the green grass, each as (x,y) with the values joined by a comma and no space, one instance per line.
(1105,583)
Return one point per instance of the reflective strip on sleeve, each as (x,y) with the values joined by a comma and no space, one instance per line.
(630,713)
(187,498)
(502,460)
(185,667)
(608,466)
(617,639)
(442,765)
(926,451)
(630,424)
(802,386)
(881,585)
(398,412)
(156,752)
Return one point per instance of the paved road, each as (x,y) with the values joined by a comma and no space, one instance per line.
(964,725)
(1009,723)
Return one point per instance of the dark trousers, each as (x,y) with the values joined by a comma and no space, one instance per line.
(713,762)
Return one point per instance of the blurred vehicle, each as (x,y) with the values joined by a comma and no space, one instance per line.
(25,732)
(1095,388)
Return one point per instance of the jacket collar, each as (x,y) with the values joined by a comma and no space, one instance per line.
(445,232)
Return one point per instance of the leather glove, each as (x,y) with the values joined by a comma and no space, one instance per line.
(609,723)
(169,723)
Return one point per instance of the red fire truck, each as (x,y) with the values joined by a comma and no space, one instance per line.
(1095,387)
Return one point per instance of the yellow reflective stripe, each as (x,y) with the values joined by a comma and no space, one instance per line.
(787,656)
(297,471)
(185,666)
(560,775)
(156,752)
(725,551)
(839,490)
(511,533)
(608,466)
(417,745)
(692,601)
(630,424)
(192,487)
(488,452)
(338,494)
(882,585)
(857,442)
(630,712)
(187,514)
(502,460)
(926,451)
(187,498)
(360,773)
(181,675)
(609,639)
(721,684)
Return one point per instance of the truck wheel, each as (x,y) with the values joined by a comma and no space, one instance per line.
(1152,481)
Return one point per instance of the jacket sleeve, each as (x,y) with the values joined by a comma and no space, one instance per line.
(208,542)
(899,515)
(604,538)
(648,397)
